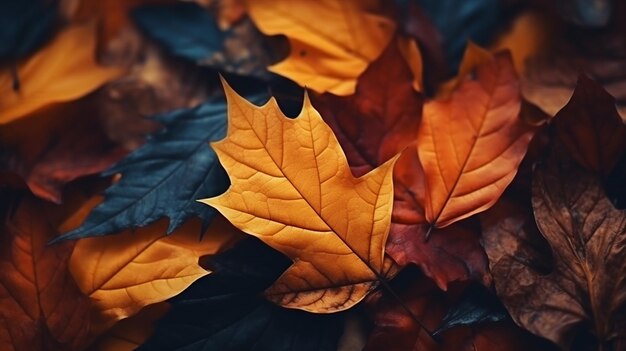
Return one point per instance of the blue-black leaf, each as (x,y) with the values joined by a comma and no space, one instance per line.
(188,31)
(225,311)
(166,176)
(25,25)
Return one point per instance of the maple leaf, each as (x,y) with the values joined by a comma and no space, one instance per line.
(580,285)
(157,170)
(471,144)
(146,267)
(51,76)
(42,308)
(55,146)
(330,57)
(381,119)
(224,311)
(292,188)
(590,127)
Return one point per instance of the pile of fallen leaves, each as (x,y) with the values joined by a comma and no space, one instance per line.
(312,175)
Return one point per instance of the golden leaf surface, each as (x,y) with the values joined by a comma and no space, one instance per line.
(64,70)
(122,273)
(472,142)
(332,41)
(291,187)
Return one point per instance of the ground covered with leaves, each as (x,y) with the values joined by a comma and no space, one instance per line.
(312,175)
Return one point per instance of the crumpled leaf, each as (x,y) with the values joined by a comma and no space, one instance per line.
(381,119)
(125,272)
(223,311)
(292,188)
(326,58)
(580,298)
(590,127)
(25,26)
(41,308)
(52,76)
(176,164)
(472,143)
(57,145)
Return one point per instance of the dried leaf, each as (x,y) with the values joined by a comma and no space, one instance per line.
(52,76)
(41,308)
(326,58)
(293,189)
(471,144)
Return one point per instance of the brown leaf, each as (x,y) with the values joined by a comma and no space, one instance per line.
(56,146)
(41,308)
(581,297)
(590,127)
(500,336)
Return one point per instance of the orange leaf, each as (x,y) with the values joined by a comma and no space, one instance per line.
(327,57)
(41,308)
(64,70)
(291,187)
(471,143)
(124,272)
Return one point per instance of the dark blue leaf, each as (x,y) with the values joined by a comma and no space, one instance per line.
(25,25)
(185,28)
(461,21)
(166,176)
(224,311)
(476,305)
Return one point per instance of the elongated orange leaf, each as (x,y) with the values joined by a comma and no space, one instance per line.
(471,143)
(293,189)
(123,273)
(328,56)
(64,70)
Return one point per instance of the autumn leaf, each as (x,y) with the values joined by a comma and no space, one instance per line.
(326,58)
(225,311)
(471,144)
(128,334)
(576,293)
(156,171)
(55,146)
(590,127)
(42,307)
(145,266)
(381,119)
(52,76)
(293,189)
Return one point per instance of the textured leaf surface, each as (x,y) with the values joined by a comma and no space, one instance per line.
(128,271)
(471,143)
(329,57)
(51,75)
(293,189)
(223,311)
(166,176)
(582,293)
(41,308)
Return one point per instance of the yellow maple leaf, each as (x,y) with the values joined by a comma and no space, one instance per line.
(332,41)
(293,189)
(64,70)
(122,273)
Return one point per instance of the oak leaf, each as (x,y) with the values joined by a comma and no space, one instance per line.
(471,144)
(52,76)
(574,290)
(125,272)
(326,57)
(41,307)
(291,187)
